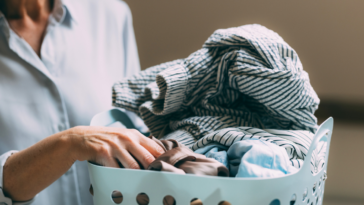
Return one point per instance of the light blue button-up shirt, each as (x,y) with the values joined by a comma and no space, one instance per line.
(88,46)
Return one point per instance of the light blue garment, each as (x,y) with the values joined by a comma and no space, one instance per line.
(88,46)
(215,151)
(257,158)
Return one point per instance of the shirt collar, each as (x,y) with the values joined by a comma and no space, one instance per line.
(62,10)
(69,9)
(4,27)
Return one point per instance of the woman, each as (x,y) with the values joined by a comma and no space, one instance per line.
(58,60)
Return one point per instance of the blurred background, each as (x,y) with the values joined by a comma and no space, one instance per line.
(328,37)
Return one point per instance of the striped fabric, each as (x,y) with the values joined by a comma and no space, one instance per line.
(245,82)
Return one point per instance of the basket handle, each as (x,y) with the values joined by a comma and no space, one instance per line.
(323,133)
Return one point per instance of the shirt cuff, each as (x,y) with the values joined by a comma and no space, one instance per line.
(5,200)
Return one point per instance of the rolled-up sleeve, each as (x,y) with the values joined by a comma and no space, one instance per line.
(5,200)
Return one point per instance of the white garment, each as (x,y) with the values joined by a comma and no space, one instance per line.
(89,45)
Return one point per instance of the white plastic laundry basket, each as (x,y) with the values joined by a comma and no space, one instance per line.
(299,188)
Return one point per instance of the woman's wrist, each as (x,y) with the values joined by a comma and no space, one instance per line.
(67,141)
(29,171)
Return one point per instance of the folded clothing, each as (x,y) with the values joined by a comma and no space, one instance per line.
(257,158)
(182,160)
(244,76)
(251,158)
(246,82)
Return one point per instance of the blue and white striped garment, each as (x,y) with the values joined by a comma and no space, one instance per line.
(245,82)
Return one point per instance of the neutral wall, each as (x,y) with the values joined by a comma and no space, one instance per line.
(346,166)
(327,34)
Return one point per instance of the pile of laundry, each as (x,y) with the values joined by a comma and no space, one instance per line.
(241,106)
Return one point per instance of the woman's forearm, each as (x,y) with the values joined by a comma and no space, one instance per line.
(29,171)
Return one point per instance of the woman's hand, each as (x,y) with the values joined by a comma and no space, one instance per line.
(107,146)
(31,170)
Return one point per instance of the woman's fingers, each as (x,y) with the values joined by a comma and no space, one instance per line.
(150,145)
(110,162)
(126,159)
(141,154)
(154,148)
